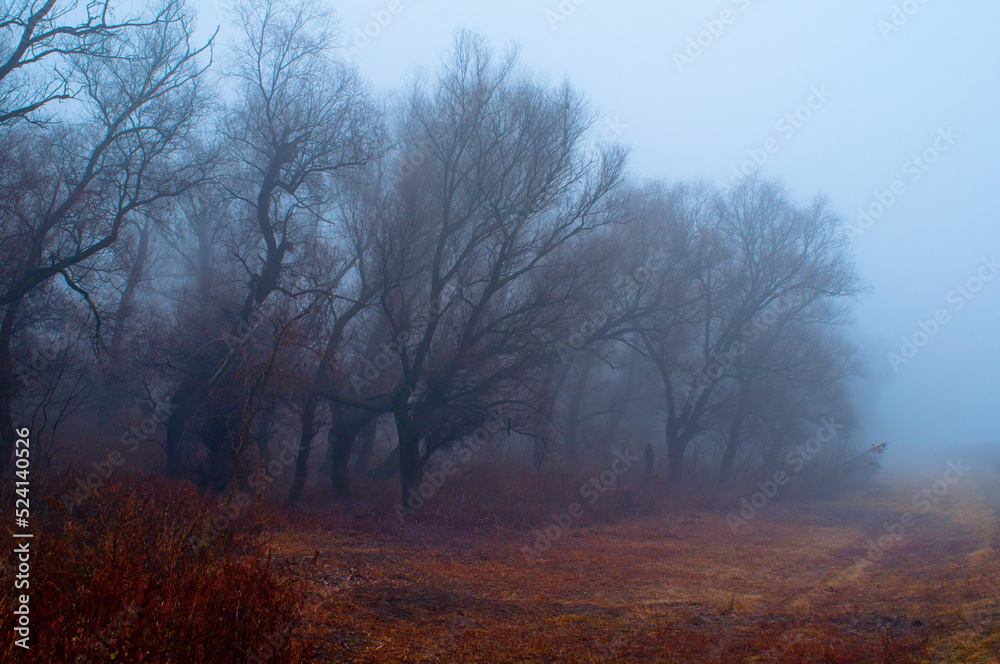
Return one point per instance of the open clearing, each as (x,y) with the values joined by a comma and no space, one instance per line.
(681,587)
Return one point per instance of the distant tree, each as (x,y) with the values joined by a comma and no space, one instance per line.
(795,362)
(748,253)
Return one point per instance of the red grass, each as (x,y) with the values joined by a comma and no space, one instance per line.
(119,580)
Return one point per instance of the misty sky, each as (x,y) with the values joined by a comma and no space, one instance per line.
(890,94)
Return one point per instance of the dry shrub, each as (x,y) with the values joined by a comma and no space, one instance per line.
(121,579)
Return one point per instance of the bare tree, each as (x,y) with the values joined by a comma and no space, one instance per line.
(39,39)
(301,123)
(140,99)
(752,252)
(350,291)
(482,267)
(794,355)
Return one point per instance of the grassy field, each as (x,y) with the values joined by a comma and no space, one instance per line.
(795,584)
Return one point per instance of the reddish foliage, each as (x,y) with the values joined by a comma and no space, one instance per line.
(118,579)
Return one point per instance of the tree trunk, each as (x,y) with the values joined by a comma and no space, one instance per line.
(216,360)
(618,416)
(733,441)
(124,313)
(340,455)
(541,423)
(410,466)
(365,448)
(575,404)
(649,462)
(675,454)
(217,434)
(308,432)
(342,446)
(176,424)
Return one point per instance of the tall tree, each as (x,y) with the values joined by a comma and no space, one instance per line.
(487,269)
(139,101)
(753,250)
(301,122)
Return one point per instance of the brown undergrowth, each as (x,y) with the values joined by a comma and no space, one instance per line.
(120,578)
(643,575)
(671,585)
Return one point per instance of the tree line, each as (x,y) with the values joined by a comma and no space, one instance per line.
(246,246)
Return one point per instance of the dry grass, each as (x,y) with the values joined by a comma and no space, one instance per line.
(118,579)
(641,577)
(677,587)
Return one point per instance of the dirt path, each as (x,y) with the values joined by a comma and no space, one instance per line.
(789,586)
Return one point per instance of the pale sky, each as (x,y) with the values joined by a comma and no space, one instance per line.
(880,96)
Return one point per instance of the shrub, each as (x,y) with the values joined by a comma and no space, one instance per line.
(120,579)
